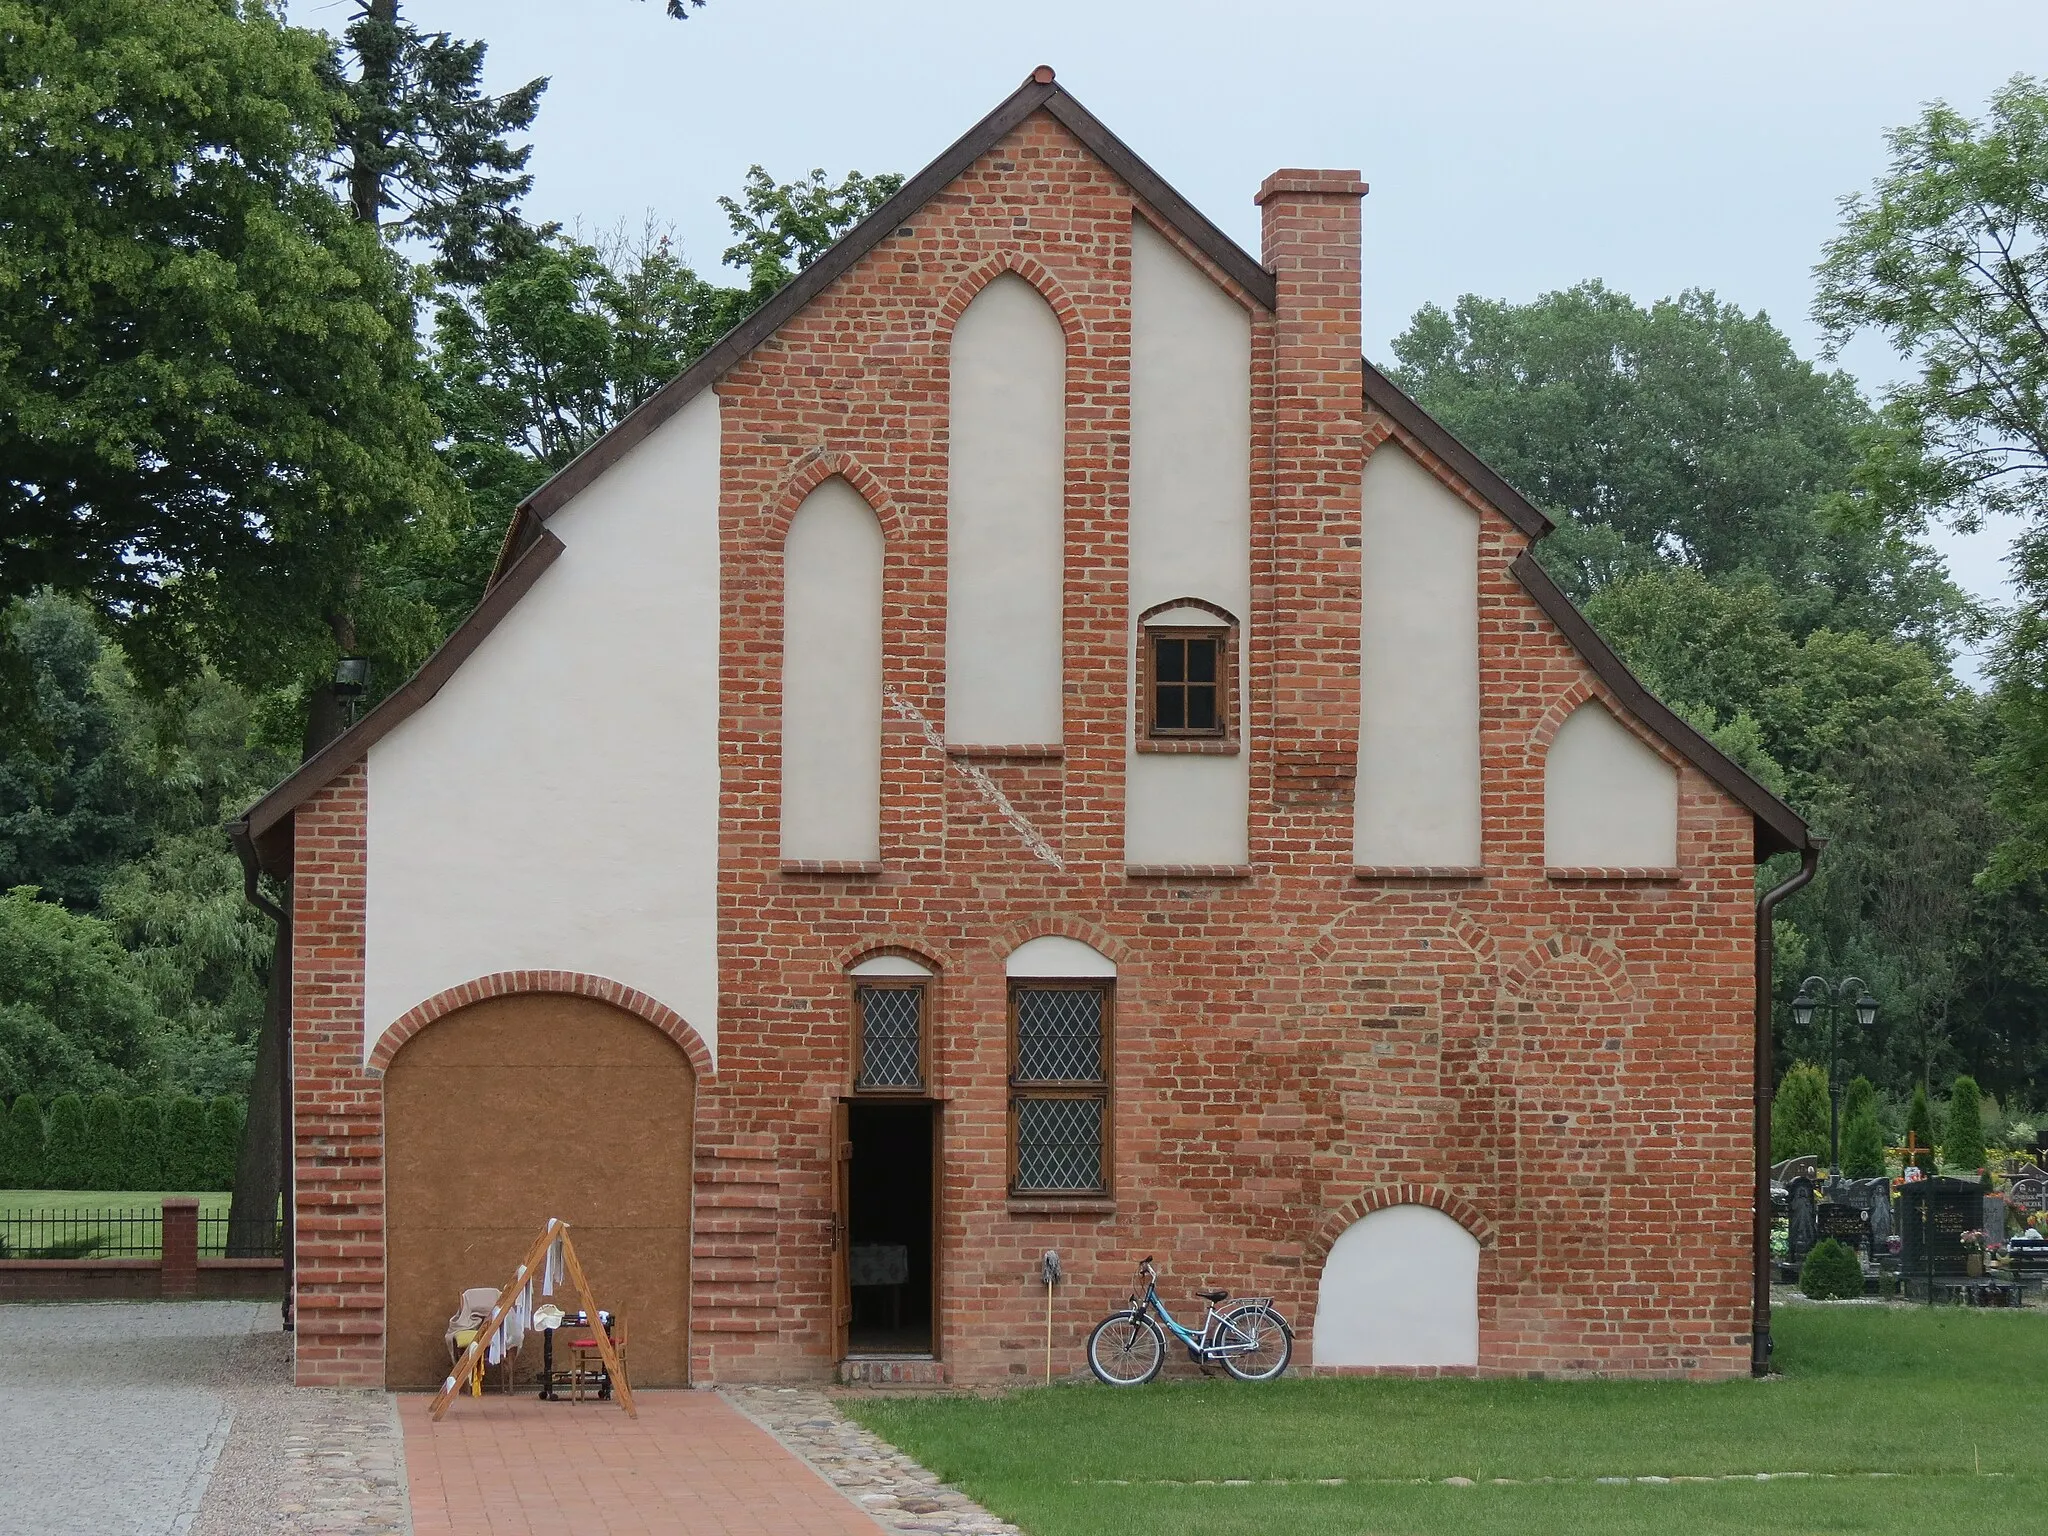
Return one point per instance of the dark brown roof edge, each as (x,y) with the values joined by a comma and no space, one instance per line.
(1433,435)
(1779,828)
(743,338)
(328,764)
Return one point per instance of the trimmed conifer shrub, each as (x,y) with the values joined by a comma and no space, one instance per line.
(223,1141)
(24,1136)
(1799,1114)
(182,1145)
(106,1142)
(1862,1139)
(1963,1144)
(67,1156)
(144,1169)
(1920,1131)
(1831,1272)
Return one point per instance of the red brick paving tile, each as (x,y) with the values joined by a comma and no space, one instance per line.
(688,1466)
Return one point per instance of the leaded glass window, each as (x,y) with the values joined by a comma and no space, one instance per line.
(1059,1078)
(891,1053)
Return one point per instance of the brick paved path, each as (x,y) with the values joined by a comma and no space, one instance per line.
(689,1466)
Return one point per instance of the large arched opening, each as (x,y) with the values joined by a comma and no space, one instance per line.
(509,1111)
(1400,1288)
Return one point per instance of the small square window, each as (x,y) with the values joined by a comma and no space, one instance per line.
(1187,682)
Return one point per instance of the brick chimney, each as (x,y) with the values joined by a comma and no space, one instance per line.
(1312,246)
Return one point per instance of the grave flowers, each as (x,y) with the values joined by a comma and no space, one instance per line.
(1973,1244)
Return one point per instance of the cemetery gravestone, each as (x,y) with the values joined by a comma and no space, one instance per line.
(1874,1198)
(1802,1222)
(1847,1224)
(1994,1218)
(1935,1214)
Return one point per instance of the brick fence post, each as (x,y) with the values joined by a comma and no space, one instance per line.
(181,1248)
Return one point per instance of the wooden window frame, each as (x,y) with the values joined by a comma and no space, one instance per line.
(1223,738)
(858,1029)
(1104,1090)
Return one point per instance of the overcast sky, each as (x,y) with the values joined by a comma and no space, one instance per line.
(1512,148)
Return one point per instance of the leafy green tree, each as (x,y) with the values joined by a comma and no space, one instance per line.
(1799,1114)
(1920,1132)
(208,398)
(1862,1134)
(106,1142)
(77,1020)
(67,1152)
(1942,258)
(223,1141)
(1962,1144)
(183,1145)
(144,1169)
(1688,433)
(21,1144)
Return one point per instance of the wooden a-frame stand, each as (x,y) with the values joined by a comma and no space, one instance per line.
(525,1275)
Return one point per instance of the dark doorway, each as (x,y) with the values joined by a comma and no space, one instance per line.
(889,1228)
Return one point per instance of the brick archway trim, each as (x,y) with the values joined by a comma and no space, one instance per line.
(1347,1215)
(1034,272)
(813,471)
(569,983)
(1104,943)
(1598,954)
(1566,704)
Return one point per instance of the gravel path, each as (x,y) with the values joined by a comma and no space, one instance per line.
(898,1492)
(177,1418)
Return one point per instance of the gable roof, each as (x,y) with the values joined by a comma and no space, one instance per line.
(263,832)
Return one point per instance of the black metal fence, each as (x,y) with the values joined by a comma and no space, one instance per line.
(78,1232)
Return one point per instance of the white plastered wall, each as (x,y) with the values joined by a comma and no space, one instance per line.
(1609,802)
(555,806)
(832,679)
(1418,738)
(1006,519)
(1191,357)
(1400,1287)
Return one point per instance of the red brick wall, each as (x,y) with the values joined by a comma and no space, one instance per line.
(1561,1064)
(337,1107)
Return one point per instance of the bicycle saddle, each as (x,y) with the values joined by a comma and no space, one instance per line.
(1214,1295)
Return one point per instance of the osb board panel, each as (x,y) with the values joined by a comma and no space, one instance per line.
(511,1111)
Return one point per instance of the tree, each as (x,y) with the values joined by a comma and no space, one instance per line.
(1799,1114)
(1862,1134)
(207,370)
(67,1157)
(76,1020)
(22,1134)
(1920,1133)
(1962,1143)
(106,1142)
(1831,1272)
(223,1141)
(182,1145)
(144,1169)
(1943,258)
(1687,434)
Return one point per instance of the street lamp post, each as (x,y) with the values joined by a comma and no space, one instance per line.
(1818,992)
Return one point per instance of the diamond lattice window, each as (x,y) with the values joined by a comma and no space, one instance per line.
(891,1037)
(1060,1088)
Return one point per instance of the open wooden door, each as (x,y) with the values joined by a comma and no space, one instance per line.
(842,1164)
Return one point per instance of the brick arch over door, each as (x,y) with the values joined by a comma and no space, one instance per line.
(509,1109)
(573,983)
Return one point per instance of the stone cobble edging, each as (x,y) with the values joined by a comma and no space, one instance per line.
(889,1485)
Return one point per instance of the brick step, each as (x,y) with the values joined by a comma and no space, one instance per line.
(894,1371)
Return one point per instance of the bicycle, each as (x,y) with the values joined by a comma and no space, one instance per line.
(1251,1340)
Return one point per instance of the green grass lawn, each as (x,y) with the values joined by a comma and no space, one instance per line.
(1891,1413)
(59,1221)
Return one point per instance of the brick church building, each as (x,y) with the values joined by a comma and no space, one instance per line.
(1029,743)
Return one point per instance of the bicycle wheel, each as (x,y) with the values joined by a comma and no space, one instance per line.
(1271,1347)
(1126,1349)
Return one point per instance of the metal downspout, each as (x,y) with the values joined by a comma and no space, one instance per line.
(1760,1300)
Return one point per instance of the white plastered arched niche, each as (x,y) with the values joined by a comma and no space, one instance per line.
(1418,678)
(1191,358)
(1609,802)
(1006,519)
(1054,958)
(832,679)
(1400,1287)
